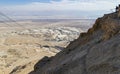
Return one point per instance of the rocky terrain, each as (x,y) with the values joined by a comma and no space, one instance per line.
(22,46)
(94,52)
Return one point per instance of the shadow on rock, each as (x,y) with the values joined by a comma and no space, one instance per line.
(40,64)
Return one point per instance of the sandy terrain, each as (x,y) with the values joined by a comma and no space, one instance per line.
(23,44)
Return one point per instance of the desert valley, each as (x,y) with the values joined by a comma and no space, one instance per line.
(59,36)
(24,42)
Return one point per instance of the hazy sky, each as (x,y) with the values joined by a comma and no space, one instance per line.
(58,8)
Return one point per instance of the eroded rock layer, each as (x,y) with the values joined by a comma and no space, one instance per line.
(94,52)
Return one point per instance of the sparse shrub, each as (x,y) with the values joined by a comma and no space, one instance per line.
(14,52)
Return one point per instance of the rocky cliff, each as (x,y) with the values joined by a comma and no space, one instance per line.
(94,52)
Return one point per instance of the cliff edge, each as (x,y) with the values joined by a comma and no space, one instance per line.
(94,52)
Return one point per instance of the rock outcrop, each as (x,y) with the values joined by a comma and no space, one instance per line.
(94,52)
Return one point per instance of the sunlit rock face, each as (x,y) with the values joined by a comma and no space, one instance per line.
(94,52)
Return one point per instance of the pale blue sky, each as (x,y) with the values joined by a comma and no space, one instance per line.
(58,8)
(14,2)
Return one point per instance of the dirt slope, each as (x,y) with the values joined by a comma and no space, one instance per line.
(94,52)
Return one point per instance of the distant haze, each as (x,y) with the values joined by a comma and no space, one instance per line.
(62,9)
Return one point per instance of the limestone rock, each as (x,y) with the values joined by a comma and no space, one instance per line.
(94,52)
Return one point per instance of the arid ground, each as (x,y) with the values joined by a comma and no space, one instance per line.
(24,42)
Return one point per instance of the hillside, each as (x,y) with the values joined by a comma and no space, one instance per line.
(21,46)
(26,46)
(94,52)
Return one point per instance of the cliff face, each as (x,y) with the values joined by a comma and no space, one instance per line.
(94,52)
